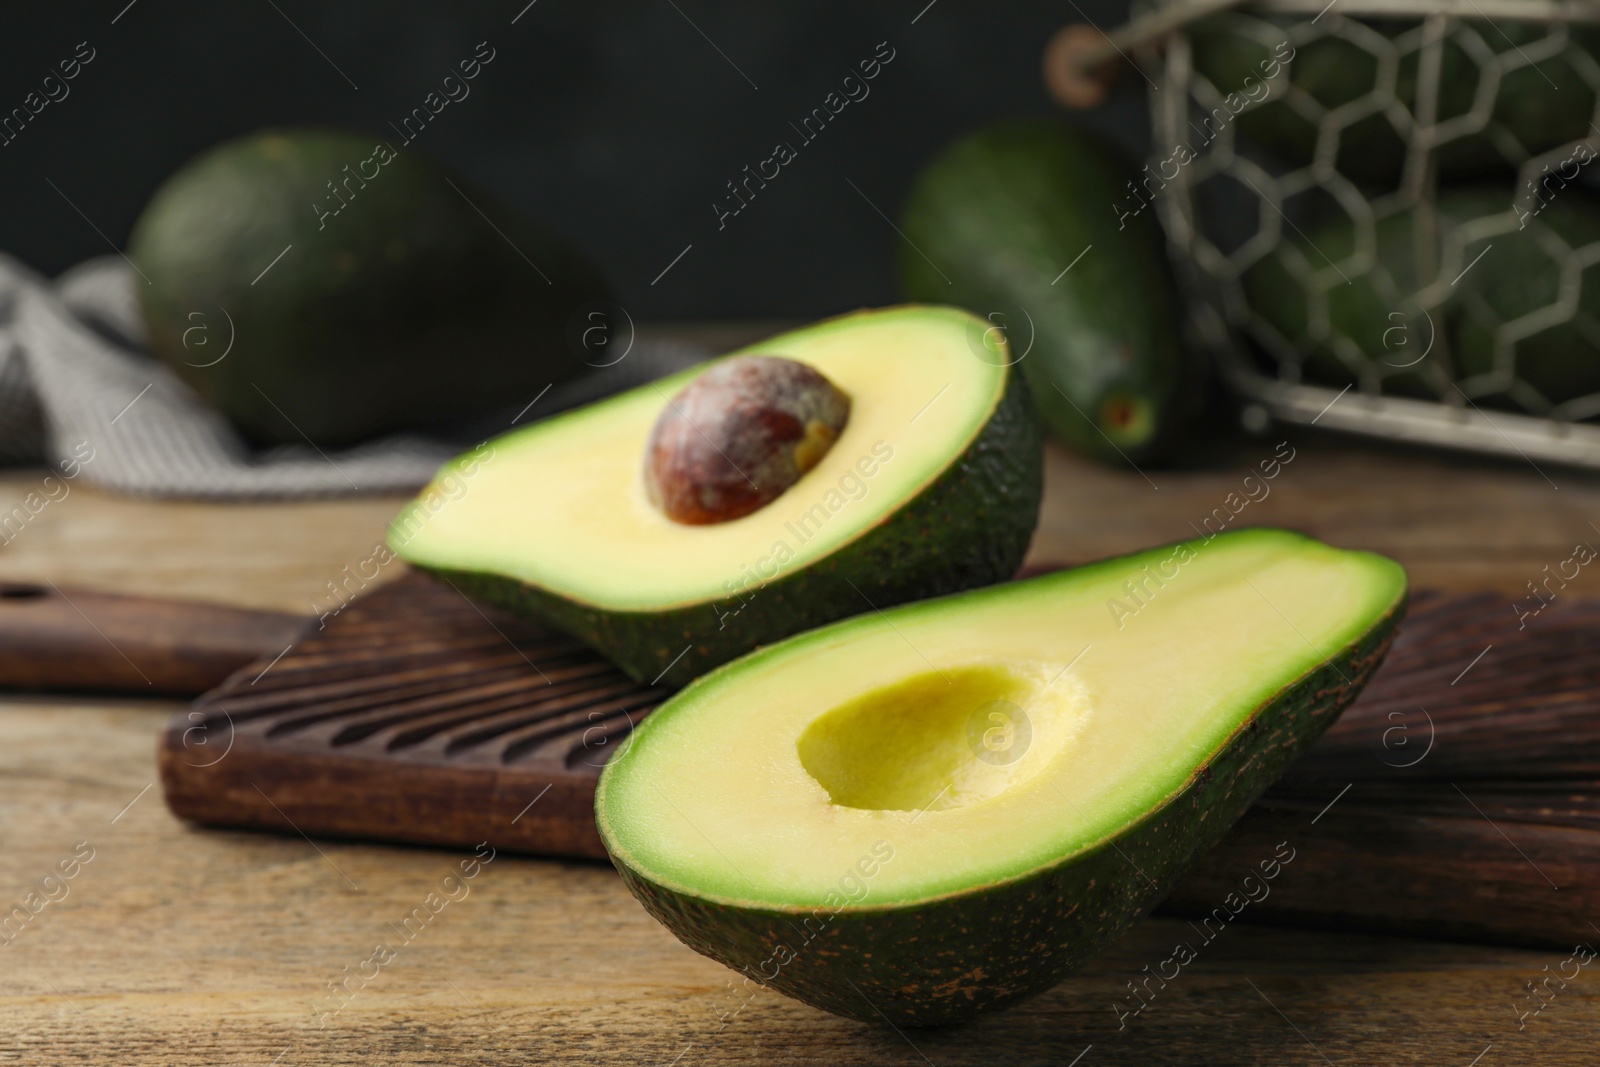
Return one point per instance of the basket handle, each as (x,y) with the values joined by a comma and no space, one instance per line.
(1080,61)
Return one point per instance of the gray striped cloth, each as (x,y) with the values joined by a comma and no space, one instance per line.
(73,371)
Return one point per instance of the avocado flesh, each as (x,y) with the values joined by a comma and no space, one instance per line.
(743,811)
(932,486)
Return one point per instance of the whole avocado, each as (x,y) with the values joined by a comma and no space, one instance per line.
(1528,108)
(1499,329)
(1023,223)
(323,285)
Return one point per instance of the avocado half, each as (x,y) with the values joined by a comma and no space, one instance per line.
(930,812)
(933,486)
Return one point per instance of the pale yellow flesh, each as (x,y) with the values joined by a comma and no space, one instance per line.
(563,505)
(718,797)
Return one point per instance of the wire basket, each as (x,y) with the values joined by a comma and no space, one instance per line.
(1384,230)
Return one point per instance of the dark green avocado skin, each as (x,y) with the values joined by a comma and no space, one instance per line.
(992,223)
(971,527)
(1513,276)
(993,945)
(1533,108)
(404,310)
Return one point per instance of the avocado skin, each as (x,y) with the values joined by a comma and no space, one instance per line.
(1515,277)
(971,527)
(1334,72)
(990,225)
(406,310)
(990,946)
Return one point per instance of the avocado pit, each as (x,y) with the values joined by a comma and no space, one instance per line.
(739,435)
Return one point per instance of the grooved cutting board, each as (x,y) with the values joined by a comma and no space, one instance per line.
(1459,796)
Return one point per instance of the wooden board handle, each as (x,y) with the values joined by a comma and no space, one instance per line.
(75,640)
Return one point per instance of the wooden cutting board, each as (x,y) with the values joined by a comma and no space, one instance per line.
(84,641)
(1460,796)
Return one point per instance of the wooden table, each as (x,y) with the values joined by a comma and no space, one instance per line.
(180,945)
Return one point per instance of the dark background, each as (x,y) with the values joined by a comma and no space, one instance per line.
(617,123)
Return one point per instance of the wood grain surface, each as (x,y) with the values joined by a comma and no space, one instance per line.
(179,945)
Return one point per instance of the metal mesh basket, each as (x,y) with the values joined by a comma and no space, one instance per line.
(1384,230)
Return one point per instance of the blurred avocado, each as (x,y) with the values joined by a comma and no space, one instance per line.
(1527,112)
(324,285)
(1521,269)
